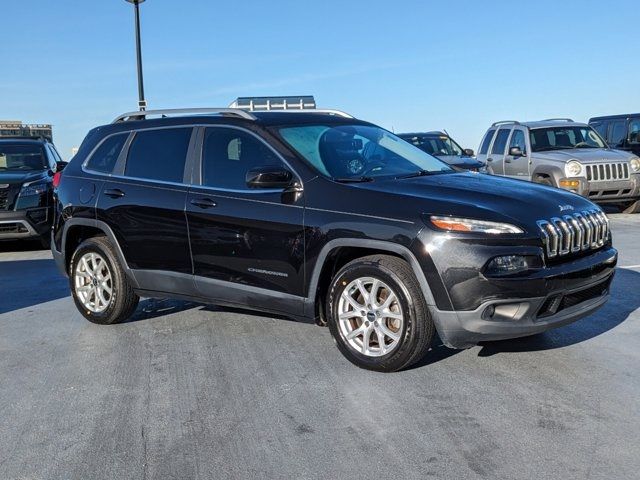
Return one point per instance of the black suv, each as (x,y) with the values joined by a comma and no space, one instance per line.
(621,132)
(27,170)
(319,215)
(445,148)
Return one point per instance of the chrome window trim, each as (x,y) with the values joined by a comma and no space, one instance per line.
(197,151)
(84,168)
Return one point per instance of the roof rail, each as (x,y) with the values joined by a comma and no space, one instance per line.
(339,113)
(503,122)
(557,120)
(141,115)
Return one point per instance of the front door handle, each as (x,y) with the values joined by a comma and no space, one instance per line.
(489,159)
(114,193)
(507,160)
(203,202)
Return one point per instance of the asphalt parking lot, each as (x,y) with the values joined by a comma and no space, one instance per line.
(185,391)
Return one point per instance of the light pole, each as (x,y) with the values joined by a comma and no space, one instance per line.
(142,103)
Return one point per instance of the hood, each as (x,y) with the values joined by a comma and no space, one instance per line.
(484,197)
(460,161)
(13,178)
(585,155)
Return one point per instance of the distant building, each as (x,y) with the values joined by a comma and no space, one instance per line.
(74,150)
(15,128)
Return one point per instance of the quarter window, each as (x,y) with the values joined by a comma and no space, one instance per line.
(159,154)
(104,158)
(501,141)
(228,154)
(486,142)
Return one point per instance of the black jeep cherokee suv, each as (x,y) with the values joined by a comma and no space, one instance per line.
(27,170)
(319,215)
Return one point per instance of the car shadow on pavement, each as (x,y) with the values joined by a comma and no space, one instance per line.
(624,300)
(27,283)
(149,308)
(21,246)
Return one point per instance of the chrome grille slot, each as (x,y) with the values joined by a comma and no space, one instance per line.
(603,172)
(573,233)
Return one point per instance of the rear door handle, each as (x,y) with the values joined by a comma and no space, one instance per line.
(203,202)
(114,193)
(489,159)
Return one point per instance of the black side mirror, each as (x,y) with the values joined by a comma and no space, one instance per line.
(60,165)
(516,152)
(468,152)
(269,177)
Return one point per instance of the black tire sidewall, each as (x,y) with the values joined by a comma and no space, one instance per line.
(108,316)
(398,357)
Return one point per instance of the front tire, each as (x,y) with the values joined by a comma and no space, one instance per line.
(377,314)
(631,207)
(99,285)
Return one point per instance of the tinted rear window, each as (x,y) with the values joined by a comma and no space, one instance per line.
(159,154)
(104,158)
(501,141)
(487,141)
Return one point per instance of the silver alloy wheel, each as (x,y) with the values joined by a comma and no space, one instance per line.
(93,283)
(370,317)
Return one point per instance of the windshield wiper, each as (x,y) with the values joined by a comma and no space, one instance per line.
(421,173)
(362,179)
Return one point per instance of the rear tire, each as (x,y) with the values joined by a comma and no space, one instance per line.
(99,285)
(377,314)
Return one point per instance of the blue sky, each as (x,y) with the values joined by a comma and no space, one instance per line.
(406,65)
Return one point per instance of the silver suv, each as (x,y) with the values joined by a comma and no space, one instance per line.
(565,154)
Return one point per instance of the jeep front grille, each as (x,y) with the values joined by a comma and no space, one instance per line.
(574,233)
(602,172)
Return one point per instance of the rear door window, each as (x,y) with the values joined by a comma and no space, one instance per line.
(104,158)
(486,142)
(501,141)
(159,154)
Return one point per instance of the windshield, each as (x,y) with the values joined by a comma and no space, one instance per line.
(562,138)
(437,145)
(358,151)
(21,158)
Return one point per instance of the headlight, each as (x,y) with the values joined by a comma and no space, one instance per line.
(34,189)
(634,163)
(453,224)
(573,168)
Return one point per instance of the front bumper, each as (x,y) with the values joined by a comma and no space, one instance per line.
(33,222)
(570,296)
(612,191)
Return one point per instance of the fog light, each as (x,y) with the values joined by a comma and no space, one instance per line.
(488,312)
(570,183)
(506,265)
